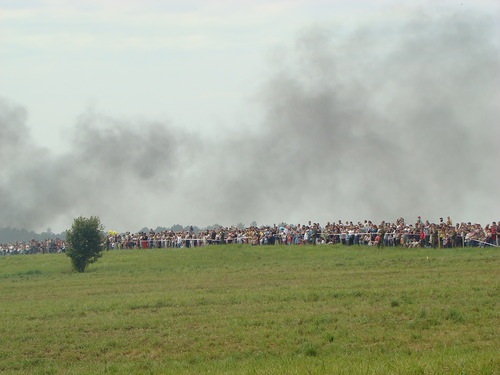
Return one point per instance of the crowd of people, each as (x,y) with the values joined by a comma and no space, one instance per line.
(33,247)
(443,234)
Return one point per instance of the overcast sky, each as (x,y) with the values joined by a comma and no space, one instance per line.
(196,63)
(152,113)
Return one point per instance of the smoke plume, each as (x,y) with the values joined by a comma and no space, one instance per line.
(104,173)
(381,123)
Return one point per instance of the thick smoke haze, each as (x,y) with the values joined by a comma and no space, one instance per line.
(380,123)
(112,168)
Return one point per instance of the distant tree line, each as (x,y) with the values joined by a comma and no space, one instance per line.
(8,235)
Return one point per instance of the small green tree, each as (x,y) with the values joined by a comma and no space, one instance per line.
(84,242)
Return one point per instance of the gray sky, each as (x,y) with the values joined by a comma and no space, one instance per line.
(150,113)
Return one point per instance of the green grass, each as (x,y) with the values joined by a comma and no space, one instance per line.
(253,310)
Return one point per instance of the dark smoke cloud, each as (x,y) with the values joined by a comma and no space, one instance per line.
(384,122)
(379,124)
(104,172)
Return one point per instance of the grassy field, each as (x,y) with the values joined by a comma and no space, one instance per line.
(253,310)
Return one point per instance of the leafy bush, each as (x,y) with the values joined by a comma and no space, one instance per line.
(84,242)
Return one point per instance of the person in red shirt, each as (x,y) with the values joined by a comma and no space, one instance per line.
(422,238)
